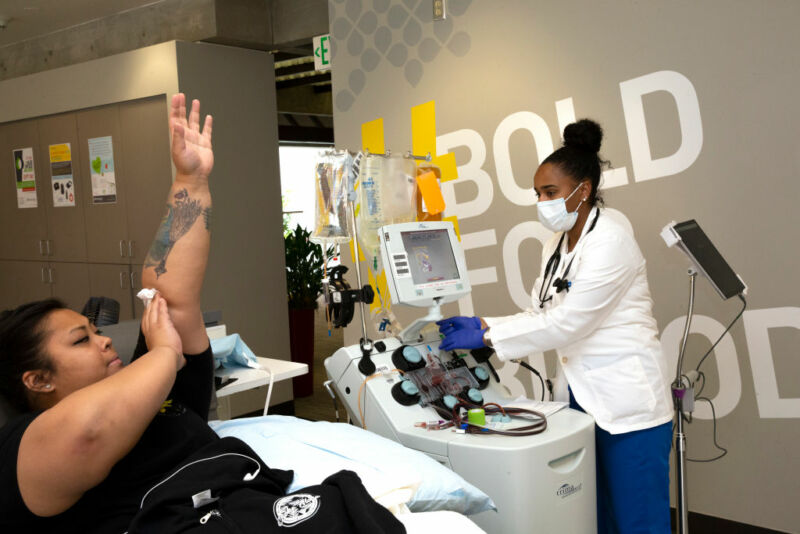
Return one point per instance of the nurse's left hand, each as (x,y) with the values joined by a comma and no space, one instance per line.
(463,339)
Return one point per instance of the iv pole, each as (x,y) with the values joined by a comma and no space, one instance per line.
(679,390)
(365,364)
(693,242)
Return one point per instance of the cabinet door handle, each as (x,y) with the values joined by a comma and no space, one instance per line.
(130,249)
(122,279)
(50,274)
(121,250)
(47,242)
(41,248)
(43,280)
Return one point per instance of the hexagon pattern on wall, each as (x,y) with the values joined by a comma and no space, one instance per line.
(399,32)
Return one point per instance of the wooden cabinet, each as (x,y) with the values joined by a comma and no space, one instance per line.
(145,154)
(136,286)
(66,225)
(24,230)
(46,232)
(114,281)
(69,282)
(26,281)
(23,281)
(106,220)
(90,248)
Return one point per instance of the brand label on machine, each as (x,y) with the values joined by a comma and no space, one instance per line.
(568,489)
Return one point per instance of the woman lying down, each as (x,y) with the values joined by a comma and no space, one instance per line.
(100,447)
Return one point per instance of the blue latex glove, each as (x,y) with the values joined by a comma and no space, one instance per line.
(452,324)
(463,339)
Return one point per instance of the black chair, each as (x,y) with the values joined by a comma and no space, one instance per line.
(101,311)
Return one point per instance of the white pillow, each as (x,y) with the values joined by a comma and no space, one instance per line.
(389,471)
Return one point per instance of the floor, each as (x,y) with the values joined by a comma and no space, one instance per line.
(319,406)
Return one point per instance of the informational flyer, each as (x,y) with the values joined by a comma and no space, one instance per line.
(61,175)
(26,178)
(101,168)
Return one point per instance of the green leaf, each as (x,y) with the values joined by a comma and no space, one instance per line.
(304,268)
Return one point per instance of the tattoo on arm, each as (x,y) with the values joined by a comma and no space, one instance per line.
(207,217)
(180,217)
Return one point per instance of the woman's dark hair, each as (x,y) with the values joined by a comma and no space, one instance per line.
(21,340)
(579,157)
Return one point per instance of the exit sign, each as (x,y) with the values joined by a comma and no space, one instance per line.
(322,52)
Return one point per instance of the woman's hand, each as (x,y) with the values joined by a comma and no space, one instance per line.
(191,147)
(159,331)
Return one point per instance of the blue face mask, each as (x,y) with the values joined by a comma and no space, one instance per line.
(554,216)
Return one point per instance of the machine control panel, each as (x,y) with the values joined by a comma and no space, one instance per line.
(431,378)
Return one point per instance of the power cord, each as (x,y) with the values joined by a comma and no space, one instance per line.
(744,305)
(717,445)
(700,375)
(530,368)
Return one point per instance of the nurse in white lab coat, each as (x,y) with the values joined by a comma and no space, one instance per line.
(591,303)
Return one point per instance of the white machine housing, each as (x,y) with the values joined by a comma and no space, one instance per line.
(539,483)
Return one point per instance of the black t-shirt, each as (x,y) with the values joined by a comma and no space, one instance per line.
(179,429)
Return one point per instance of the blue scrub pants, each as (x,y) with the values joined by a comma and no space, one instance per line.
(632,479)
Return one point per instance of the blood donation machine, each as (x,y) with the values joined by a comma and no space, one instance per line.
(539,472)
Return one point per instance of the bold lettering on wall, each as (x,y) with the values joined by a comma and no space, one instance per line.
(756,326)
(514,278)
(565,111)
(471,171)
(682,90)
(522,120)
(486,275)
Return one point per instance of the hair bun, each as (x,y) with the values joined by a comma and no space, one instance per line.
(584,134)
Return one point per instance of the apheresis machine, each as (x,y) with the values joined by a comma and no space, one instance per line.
(539,469)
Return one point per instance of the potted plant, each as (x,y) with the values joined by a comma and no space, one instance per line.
(304,271)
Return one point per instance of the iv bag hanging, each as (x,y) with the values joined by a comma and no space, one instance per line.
(332,221)
(387,195)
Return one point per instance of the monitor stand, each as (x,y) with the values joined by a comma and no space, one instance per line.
(411,333)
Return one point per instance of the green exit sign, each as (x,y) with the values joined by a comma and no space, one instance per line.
(322,52)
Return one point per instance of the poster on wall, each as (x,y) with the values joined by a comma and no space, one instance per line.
(61,175)
(25,178)
(101,169)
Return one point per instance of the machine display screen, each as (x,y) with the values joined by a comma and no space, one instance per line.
(430,257)
(709,259)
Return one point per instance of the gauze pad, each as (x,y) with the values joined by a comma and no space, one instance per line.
(146,295)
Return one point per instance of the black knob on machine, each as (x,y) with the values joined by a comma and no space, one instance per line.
(365,365)
(405,392)
(407,358)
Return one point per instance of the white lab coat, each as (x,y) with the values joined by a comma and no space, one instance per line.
(602,328)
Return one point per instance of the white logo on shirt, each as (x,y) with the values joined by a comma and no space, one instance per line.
(294,509)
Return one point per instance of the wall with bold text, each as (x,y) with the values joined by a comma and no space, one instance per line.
(698,102)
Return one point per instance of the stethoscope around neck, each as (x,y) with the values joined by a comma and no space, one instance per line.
(562,283)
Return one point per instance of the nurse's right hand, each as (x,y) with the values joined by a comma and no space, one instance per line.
(453,324)
(463,339)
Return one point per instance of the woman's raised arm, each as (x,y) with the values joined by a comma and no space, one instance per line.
(176,262)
